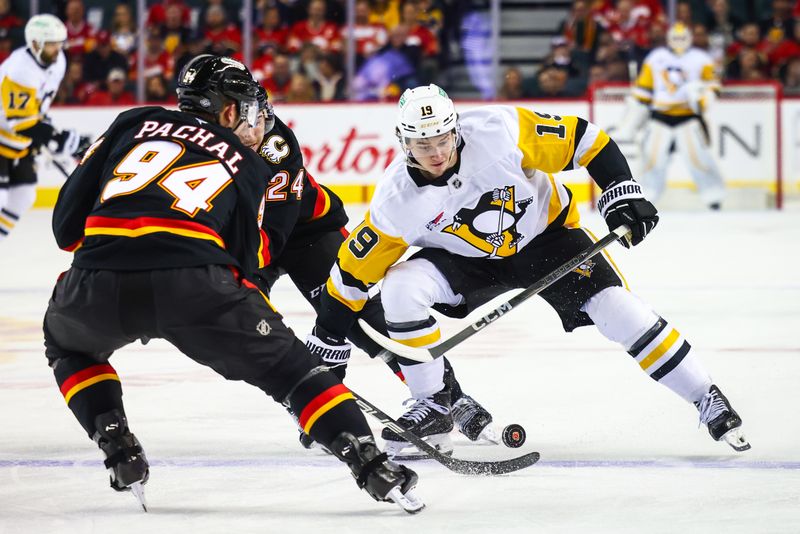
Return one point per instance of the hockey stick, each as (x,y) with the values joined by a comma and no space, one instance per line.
(463,467)
(426,355)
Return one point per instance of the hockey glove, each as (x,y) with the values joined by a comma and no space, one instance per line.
(64,143)
(623,203)
(333,350)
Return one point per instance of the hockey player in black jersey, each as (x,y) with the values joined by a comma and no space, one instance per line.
(165,214)
(314,240)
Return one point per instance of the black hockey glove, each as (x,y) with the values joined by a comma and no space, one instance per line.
(40,133)
(623,203)
(64,143)
(332,349)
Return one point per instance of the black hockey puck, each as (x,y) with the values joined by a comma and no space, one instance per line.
(514,436)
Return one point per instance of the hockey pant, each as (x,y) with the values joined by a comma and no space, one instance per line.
(692,145)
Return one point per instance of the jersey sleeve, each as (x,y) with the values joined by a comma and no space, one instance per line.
(643,89)
(363,260)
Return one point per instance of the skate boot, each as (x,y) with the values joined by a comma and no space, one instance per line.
(383,479)
(127,466)
(473,420)
(428,418)
(721,419)
(306,441)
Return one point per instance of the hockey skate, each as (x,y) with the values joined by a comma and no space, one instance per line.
(428,418)
(473,420)
(125,460)
(722,421)
(383,479)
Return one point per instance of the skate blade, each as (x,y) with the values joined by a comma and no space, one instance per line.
(138,491)
(395,450)
(409,501)
(735,438)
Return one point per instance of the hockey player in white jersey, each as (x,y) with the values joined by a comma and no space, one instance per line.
(678,83)
(476,193)
(29,79)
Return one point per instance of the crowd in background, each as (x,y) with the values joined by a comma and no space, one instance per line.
(298,45)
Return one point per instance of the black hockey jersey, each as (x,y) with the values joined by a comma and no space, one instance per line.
(162,189)
(313,208)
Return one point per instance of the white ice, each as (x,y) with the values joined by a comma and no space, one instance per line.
(620,453)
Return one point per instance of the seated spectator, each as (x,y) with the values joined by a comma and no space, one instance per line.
(220,36)
(262,66)
(315,30)
(683,13)
(700,37)
(386,12)
(80,34)
(272,36)
(785,50)
(300,89)
(123,30)
(580,28)
(156,90)
(175,32)
(512,85)
(306,62)
(421,39)
(722,22)
(779,25)
(115,94)
(388,72)
(748,65)
(550,82)
(157,61)
(329,84)
(430,16)
(629,26)
(11,26)
(73,90)
(158,12)
(790,76)
(99,62)
(369,36)
(279,83)
(748,38)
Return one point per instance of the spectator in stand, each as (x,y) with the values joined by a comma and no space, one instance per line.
(386,12)
(11,26)
(300,89)
(551,82)
(721,22)
(99,62)
(73,89)
(80,35)
(785,50)
(700,37)
(512,85)
(779,25)
(790,76)
(329,84)
(306,62)
(748,38)
(6,44)
(629,26)
(175,31)
(273,35)
(581,29)
(123,30)
(430,15)
(315,30)
(220,36)
(263,65)
(369,36)
(156,91)
(158,12)
(279,83)
(683,13)
(421,38)
(115,94)
(388,72)
(157,61)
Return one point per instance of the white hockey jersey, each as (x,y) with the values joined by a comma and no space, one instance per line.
(500,197)
(664,83)
(27,89)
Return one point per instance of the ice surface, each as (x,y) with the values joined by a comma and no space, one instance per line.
(620,453)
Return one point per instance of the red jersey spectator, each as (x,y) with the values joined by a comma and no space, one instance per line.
(157,61)
(369,36)
(272,36)
(175,31)
(418,35)
(748,38)
(80,35)
(10,24)
(100,61)
(263,67)
(629,25)
(116,95)
(279,83)
(786,49)
(315,30)
(221,37)
(158,12)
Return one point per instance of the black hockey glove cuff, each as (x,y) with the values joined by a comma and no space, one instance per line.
(40,133)
(623,203)
(65,143)
(334,351)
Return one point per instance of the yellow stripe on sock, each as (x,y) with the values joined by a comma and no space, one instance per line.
(659,351)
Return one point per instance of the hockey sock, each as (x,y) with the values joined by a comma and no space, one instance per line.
(424,379)
(18,200)
(89,388)
(325,408)
(660,350)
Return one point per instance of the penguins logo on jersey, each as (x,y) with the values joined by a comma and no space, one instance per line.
(674,77)
(491,226)
(585,269)
(274,149)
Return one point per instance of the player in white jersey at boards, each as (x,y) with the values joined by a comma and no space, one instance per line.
(475,192)
(29,79)
(678,83)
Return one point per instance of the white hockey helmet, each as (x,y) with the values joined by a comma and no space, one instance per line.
(424,112)
(679,38)
(43,29)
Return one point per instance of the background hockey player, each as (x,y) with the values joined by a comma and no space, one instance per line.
(678,83)
(164,215)
(476,193)
(29,79)
(310,252)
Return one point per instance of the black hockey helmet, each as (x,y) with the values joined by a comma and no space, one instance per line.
(207,82)
(265,107)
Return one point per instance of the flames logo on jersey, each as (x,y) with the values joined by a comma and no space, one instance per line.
(491,226)
(275,149)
